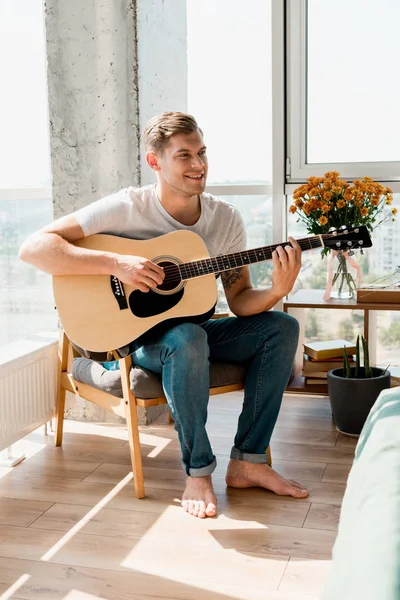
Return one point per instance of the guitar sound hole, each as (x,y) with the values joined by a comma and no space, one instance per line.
(172,276)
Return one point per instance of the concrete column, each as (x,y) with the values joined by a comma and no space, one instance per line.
(112,64)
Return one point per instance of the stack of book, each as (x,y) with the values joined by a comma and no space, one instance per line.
(321,357)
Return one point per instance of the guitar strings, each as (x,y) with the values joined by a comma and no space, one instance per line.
(171,275)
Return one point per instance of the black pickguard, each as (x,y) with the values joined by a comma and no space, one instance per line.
(148,304)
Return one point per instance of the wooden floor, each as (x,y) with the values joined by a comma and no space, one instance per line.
(71,528)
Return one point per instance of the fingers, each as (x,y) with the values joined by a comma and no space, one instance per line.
(279,257)
(153,271)
(297,249)
(147,283)
(288,256)
(159,271)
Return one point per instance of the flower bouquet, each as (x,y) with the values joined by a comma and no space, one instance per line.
(327,203)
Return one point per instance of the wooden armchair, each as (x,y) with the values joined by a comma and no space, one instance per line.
(136,387)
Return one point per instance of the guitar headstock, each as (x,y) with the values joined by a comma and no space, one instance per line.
(347,238)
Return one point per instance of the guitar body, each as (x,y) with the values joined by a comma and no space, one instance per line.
(100,315)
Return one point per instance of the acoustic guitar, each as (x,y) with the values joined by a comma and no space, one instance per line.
(100,313)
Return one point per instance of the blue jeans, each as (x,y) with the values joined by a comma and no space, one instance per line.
(265,344)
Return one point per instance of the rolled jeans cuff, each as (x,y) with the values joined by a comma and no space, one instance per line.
(256,459)
(203,471)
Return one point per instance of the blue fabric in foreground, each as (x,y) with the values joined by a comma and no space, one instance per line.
(366,555)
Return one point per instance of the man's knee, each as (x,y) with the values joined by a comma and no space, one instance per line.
(280,323)
(188,339)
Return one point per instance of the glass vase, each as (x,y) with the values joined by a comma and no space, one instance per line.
(344,275)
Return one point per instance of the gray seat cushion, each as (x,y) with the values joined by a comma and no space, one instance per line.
(145,384)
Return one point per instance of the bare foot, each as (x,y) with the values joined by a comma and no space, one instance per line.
(242,474)
(199,499)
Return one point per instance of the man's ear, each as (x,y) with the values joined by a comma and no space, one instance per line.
(152,161)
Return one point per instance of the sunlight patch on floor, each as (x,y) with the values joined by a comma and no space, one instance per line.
(5,471)
(159,443)
(27,447)
(305,576)
(78,595)
(217,565)
(94,511)
(15,587)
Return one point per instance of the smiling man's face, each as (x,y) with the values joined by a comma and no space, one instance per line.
(183,163)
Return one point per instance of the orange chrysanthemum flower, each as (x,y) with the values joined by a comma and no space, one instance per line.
(319,202)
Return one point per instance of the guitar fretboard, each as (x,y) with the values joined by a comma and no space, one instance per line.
(226,262)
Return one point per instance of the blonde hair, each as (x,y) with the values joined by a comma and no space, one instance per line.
(162,127)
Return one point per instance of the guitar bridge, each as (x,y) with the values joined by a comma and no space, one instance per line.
(117,288)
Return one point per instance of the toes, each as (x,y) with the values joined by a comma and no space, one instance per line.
(298,491)
(211,510)
(200,510)
(196,508)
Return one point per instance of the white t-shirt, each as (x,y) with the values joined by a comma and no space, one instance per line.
(137,213)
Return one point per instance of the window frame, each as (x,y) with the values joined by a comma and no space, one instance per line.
(44,193)
(297,168)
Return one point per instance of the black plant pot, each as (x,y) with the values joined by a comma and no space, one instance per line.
(351,399)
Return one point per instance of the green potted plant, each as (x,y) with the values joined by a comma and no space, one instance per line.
(354,390)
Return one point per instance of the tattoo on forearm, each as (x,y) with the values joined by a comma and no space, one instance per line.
(231,277)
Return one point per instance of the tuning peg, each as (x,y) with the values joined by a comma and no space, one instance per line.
(350,253)
(349,243)
(338,244)
(333,230)
(343,229)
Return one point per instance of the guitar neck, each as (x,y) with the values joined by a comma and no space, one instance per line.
(226,262)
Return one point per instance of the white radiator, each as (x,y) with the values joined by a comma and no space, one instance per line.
(27,388)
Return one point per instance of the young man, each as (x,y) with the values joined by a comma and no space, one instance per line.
(263,339)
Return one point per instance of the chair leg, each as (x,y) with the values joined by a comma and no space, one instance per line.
(269,456)
(133,427)
(60,400)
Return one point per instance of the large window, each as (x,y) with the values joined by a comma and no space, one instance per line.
(229,86)
(26,301)
(343,92)
(229,93)
(353,102)
(342,114)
